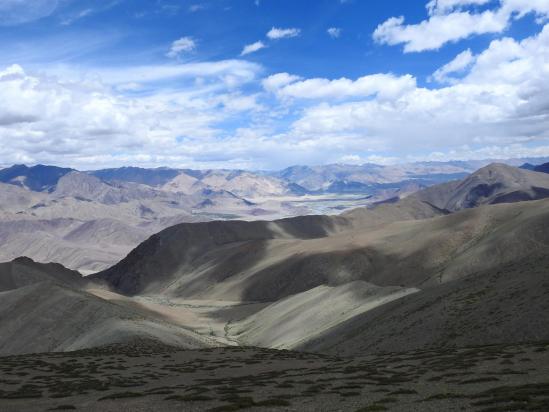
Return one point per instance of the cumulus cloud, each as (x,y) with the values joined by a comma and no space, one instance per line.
(277,33)
(522,7)
(459,64)
(182,45)
(277,81)
(444,6)
(382,85)
(501,104)
(450,21)
(252,48)
(90,123)
(494,103)
(438,30)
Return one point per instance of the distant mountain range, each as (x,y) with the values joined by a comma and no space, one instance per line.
(90,220)
(464,242)
(458,264)
(295,180)
(88,224)
(544,168)
(38,178)
(493,184)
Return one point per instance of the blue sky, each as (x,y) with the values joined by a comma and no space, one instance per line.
(271,83)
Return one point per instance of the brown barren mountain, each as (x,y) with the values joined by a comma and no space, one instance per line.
(413,247)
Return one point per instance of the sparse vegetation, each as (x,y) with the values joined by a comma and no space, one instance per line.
(121,395)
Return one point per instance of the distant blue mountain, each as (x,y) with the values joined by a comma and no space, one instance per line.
(544,168)
(151,177)
(528,166)
(39,178)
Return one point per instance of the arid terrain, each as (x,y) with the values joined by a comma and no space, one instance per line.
(148,377)
(435,301)
(274,205)
(90,220)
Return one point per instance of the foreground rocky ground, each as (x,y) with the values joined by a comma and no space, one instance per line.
(149,377)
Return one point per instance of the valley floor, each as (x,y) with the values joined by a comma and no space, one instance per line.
(145,376)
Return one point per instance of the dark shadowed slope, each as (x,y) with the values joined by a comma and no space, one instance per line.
(191,258)
(263,261)
(544,168)
(468,276)
(269,260)
(45,307)
(319,273)
(151,177)
(48,317)
(157,261)
(347,284)
(36,178)
(24,271)
(495,183)
(504,304)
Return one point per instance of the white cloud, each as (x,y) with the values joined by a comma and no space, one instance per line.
(445,6)
(212,114)
(276,33)
(334,32)
(277,81)
(252,48)
(382,85)
(500,106)
(523,7)
(449,21)
(359,160)
(438,30)
(14,12)
(89,123)
(182,45)
(460,63)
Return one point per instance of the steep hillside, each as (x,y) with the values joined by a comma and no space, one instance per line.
(48,317)
(184,183)
(88,246)
(150,177)
(86,187)
(14,199)
(495,183)
(159,261)
(302,317)
(38,178)
(417,267)
(508,303)
(266,261)
(316,274)
(543,168)
(240,183)
(24,271)
(89,224)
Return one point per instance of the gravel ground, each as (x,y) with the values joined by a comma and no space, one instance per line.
(148,377)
